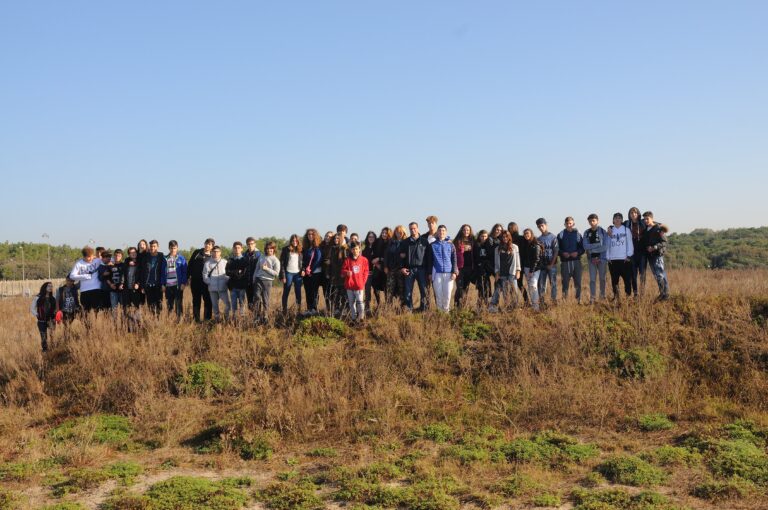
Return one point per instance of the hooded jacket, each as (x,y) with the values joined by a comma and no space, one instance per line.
(507,263)
(182,274)
(359,272)
(237,271)
(152,271)
(415,253)
(655,236)
(215,275)
(596,243)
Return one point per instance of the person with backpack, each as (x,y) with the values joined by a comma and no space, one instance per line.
(654,242)
(549,261)
(44,310)
(570,245)
(507,269)
(215,278)
(175,279)
(596,246)
(530,259)
(237,271)
(619,254)
(68,301)
(196,281)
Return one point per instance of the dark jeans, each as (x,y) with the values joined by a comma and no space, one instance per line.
(131,297)
(91,300)
(154,297)
(292,280)
(419,275)
(371,289)
(483,284)
(639,265)
(249,295)
(620,269)
(311,285)
(200,292)
(174,298)
(43,326)
(462,285)
(337,300)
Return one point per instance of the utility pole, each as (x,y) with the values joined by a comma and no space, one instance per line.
(47,242)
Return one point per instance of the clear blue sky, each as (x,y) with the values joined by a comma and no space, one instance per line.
(186,119)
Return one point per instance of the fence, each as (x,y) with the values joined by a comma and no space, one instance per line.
(9,288)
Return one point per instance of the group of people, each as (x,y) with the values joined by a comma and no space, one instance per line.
(501,263)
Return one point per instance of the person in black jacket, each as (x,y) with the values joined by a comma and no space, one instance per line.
(237,270)
(654,243)
(483,259)
(199,288)
(415,263)
(68,301)
(252,255)
(151,277)
(530,259)
(112,274)
(44,310)
(395,278)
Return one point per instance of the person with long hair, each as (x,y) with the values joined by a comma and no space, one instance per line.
(379,284)
(371,245)
(507,270)
(337,294)
(531,263)
(325,247)
(465,245)
(483,258)
(395,286)
(639,259)
(290,271)
(517,238)
(311,267)
(142,249)
(268,269)
(44,309)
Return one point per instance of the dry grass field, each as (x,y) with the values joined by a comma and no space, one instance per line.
(637,406)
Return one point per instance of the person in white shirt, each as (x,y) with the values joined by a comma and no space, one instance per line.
(86,271)
(620,251)
(215,277)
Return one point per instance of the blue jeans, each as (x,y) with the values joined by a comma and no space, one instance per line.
(420,275)
(551,275)
(238,300)
(292,280)
(114,298)
(657,268)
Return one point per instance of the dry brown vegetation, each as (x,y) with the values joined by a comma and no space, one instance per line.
(440,397)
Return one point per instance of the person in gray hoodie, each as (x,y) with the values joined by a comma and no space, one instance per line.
(267,269)
(215,277)
(596,246)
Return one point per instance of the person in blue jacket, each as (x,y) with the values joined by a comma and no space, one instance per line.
(175,275)
(570,249)
(444,269)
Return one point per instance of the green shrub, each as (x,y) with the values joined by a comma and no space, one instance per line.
(107,429)
(619,499)
(477,330)
(727,458)
(637,363)
(432,494)
(124,471)
(747,431)
(546,500)
(78,480)
(205,379)
(257,448)
(630,470)
(516,486)
(19,471)
(284,496)
(437,432)
(718,490)
(127,502)
(64,506)
(323,452)
(189,493)
(318,331)
(654,422)
(8,500)
(549,447)
(672,456)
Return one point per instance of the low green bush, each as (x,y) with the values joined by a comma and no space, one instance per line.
(631,470)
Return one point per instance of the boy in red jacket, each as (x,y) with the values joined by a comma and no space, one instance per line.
(355,274)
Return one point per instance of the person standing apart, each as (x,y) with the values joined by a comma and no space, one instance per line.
(44,310)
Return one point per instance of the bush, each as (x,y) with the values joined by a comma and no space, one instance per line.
(474,331)
(654,422)
(205,379)
(318,331)
(619,499)
(549,447)
(637,363)
(630,470)
(258,448)
(437,432)
(323,452)
(672,456)
(79,480)
(718,490)
(64,506)
(516,486)
(125,471)
(284,496)
(8,500)
(546,500)
(106,429)
(741,458)
(189,493)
